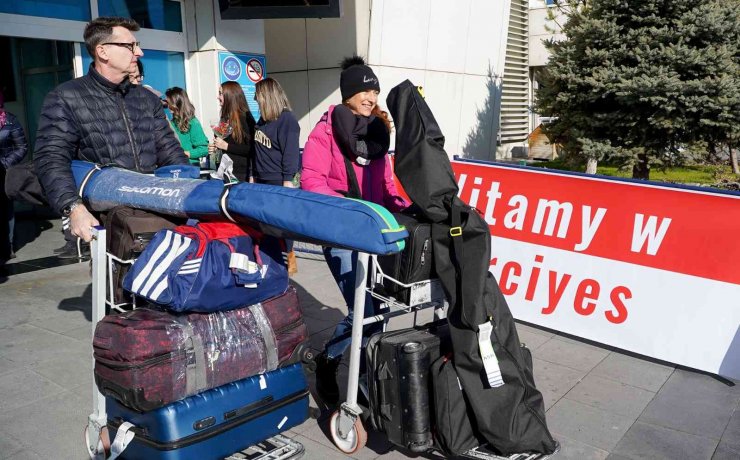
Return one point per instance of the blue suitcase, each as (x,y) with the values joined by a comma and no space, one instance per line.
(218,422)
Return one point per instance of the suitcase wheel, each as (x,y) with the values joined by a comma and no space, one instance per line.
(309,360)
(354,440)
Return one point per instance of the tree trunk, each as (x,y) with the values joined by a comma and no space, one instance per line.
(641,169)
(733,159)
(591,164)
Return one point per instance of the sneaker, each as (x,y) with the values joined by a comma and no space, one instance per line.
(62,249)
(70,251)
(326,379)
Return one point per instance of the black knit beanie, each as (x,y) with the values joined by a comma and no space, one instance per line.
(356,77)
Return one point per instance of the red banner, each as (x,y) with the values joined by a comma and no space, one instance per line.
(634,265)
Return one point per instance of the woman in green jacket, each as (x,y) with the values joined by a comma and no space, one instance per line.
(192,138)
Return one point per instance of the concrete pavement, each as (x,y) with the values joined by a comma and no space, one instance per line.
(601,403)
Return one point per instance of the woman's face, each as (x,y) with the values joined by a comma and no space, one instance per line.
(363,103)
(220,96)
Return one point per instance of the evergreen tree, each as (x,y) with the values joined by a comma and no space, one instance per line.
(644,82)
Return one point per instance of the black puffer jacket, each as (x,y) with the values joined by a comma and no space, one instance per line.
(90,118)
(13,145)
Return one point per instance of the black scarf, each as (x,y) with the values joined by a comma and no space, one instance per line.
(360,139)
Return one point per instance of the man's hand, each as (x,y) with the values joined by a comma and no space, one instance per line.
(288,183)
(81,221)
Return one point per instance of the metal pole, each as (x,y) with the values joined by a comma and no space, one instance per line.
(357,321)
(98,419)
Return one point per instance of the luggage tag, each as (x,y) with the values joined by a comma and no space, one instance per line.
(490,362)
(246,272)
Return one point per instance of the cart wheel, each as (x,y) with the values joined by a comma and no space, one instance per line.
(102,448)
(356,438)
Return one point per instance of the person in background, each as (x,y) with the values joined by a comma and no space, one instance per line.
(136,77)
(276,156)
(346,155)
(13,149)
(137,74)
(188,129)
(239,145)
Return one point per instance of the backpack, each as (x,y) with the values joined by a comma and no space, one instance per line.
(209,267)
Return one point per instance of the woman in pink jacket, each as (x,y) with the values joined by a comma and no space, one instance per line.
(346,155)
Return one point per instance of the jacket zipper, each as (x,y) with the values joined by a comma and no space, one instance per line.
(140,435)
(128,131)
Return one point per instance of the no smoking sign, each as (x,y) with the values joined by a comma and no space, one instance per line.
(255,71)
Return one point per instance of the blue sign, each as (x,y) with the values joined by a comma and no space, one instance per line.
(245,69)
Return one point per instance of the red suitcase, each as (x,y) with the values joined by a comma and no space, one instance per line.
(148,358)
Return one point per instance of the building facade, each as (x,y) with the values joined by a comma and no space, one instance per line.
(476,59)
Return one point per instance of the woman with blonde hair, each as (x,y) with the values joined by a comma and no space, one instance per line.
(239,144)
(276,156)
(188,129)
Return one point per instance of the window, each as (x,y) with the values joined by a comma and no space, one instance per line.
(150,14)
(162,69)
(76,10)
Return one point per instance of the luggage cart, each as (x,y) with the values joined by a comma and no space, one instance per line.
(98,444)
(345,425)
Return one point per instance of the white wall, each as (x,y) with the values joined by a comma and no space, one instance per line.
(456,51)
(304,55)
(538,32)
(447,47)
(207,34)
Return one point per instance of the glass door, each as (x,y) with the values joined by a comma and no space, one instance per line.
(44,64)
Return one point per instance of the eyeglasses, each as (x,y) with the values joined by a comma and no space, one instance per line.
(130,46)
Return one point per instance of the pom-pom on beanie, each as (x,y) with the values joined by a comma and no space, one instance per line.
(356,77)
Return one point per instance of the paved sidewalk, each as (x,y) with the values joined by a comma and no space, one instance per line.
(601,403)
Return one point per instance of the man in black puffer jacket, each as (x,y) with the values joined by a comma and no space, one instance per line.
(101,118)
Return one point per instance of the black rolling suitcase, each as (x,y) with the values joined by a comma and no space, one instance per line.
(413,264)
(399,384)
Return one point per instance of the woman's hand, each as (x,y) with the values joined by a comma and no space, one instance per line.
(187,153)
(221,144)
